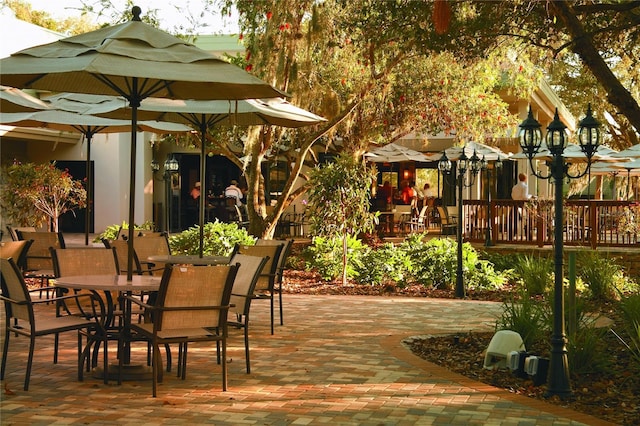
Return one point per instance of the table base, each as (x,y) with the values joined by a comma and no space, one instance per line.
(129,372)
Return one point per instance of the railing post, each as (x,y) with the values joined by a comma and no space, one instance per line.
(541,226)
(494,222)
(593,224)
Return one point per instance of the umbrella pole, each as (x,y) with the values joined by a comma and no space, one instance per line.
(203,180)
(134,103)
(89,181)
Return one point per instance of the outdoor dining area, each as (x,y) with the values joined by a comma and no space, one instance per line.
(169,302)
(470,177)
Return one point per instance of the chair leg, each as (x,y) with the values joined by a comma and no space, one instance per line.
(154,368)
(224,364)
(183,368)
(105,362)
(4,353)
(280,301)
(179,368)
(246,343)
(56,340)
(32,343)
(167,348)
(271,299)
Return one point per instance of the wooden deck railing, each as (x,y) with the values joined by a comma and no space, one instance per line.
(591,223)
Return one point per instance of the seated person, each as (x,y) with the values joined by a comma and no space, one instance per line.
(232,191)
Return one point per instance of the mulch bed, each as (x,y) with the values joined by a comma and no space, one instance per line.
(612,396)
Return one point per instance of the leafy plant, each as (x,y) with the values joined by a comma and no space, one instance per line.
(219,239)
(434,263)
(526,317)
(388,263)
(630,309)
(586,352)
(534,273)
(37,194)
(339,199)
(602,275)
(630,312)
(111,231)
(325,256)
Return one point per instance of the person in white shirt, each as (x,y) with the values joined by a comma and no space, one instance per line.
(520,190)
(232,191)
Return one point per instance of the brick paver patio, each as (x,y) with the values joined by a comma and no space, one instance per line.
(338,360)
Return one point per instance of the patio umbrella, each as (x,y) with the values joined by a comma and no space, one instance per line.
(490,153)
(394,153)
(201,115)
(631,152)
(88,126)
(15,100)
(632,168)
(136,61)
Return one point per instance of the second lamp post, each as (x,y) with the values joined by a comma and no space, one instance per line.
(474,164)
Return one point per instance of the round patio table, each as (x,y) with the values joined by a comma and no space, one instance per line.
(108,284)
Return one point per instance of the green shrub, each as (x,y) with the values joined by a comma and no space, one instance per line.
(325,256)
(534,273)
(387,263)
(111,232)
(602,275)
(219,239)
(435,264)
(526,317)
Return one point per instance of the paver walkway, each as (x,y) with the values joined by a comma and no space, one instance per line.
(338,360)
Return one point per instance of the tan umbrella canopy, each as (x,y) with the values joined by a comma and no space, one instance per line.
(490,153)
(136,61)
(631,152)
(394,153)
(88,125)
(201,115)
(15,100)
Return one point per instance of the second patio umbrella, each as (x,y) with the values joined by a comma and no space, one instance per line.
(201,115)
(88,126)
(136,61)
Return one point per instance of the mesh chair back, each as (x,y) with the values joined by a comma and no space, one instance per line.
(122,249)
(39,257)
(16,250)
(85,261)
(13,231)
(193,297)
(284,254)
(151,245)
(14,289)
(267,277)
(245,282)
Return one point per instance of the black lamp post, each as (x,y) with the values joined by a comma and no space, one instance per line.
(464,164)
(530,142)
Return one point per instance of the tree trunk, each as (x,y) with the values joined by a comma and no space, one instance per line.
(583,46)
(344,259)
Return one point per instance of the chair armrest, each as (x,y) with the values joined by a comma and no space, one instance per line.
(193,308)
(138,302)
